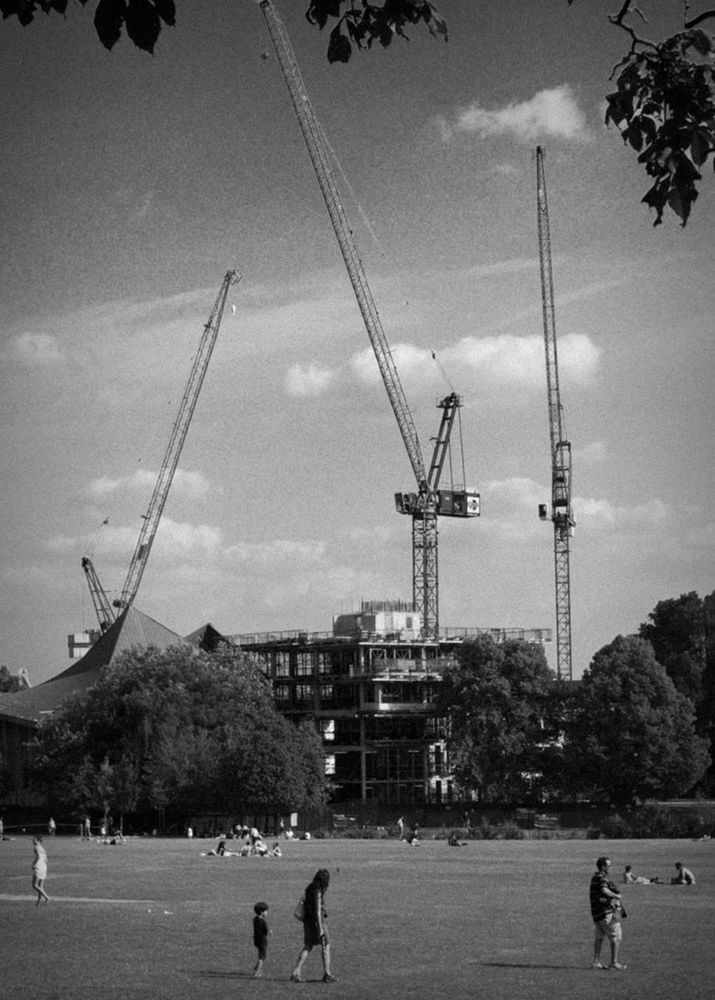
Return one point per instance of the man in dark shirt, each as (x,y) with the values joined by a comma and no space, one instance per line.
(605,901)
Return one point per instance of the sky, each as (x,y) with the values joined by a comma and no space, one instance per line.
(130,184)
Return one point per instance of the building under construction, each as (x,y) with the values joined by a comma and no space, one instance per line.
(371,688)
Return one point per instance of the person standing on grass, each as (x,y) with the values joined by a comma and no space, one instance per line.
(39,869)
(260,936)
(606,911)
(315,927)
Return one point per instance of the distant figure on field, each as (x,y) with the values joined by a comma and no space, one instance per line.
(51,827)
(315,927)
(39,869)
(684,876)
(275,851)
(260,937)
(413,838)
(454,841)
(606,912)
(190,832)
(630,878)
(401,828)
(87,829)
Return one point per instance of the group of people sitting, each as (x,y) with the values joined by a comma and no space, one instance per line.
(683,877)
(254,845)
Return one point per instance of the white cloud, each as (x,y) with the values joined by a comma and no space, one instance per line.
(602,514)
(499,361)
(308,380)
(550,113)
(509,360)
(410,361)
(175,539)
(35,350)
(184,483)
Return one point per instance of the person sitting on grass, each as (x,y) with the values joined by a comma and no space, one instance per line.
(630,878)
(684,876)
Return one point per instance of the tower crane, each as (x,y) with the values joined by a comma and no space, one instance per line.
(561,511)
(425,504)
(155,509)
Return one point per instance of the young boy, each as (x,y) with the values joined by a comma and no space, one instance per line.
(260,936)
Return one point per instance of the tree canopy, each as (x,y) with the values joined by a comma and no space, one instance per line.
(663,104)
(499,698)
(630,733)
(181,730)
(676,631)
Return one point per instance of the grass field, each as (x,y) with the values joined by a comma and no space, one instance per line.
(494,919)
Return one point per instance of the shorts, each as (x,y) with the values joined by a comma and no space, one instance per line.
(609,927)
(262,949)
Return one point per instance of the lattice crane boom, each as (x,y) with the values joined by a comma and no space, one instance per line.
(103,609)
(176,443)
(423,505)
(561,511)
(310,129)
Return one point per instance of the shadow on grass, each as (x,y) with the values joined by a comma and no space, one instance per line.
(216,974)
(527,965)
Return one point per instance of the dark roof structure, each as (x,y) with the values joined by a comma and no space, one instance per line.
(208,638)
(132,629)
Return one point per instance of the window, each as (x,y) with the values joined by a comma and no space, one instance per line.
(330,763)
(282,663)
(327,729)
(281,693)
(303,664)
(304,694)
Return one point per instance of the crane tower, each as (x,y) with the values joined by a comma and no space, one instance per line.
(428,501)
(166,473)
(561,511)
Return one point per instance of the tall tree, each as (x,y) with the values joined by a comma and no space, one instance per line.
(676,631)
(631,734)
(663,104)
(499,698)
(181,730)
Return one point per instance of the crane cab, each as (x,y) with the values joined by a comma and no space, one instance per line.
(458,503)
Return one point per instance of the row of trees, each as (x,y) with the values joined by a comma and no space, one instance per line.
(191,732)
(181,731)
(639,724)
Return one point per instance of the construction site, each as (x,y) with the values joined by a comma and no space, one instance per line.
(369,683)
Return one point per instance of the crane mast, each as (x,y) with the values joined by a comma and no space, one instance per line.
(561,511)
(424,507)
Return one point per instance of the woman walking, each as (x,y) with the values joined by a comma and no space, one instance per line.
(315,927)
(39,869)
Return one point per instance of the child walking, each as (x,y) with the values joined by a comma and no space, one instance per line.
(260,936)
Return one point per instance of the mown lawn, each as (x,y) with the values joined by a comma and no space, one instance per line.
(494,919)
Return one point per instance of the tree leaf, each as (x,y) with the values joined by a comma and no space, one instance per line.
(108,20)
(339,48)
(143,24)
(701,146)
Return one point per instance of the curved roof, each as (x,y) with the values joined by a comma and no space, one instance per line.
(133,628)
